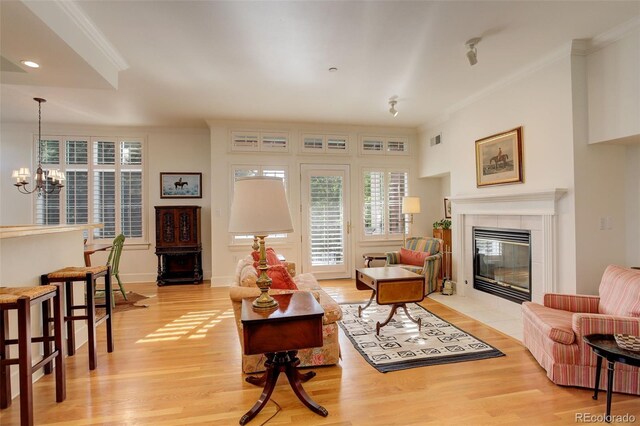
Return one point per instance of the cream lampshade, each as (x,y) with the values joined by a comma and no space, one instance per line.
(410,205)
(260,208)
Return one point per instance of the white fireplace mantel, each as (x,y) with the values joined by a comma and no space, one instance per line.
(540,203)
(520,203)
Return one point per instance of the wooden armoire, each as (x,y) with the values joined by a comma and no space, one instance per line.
(178,244)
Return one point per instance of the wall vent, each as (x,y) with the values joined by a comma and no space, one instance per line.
(436,140)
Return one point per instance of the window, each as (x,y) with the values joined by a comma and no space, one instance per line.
(384,145)
(323,144)
(383,190)
(104,185)
(241,171)
(259,141)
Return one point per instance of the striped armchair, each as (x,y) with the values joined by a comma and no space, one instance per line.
(553,331)
(431,267)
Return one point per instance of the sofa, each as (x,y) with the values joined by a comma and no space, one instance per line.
(431,266)
(244,286)
(553,331)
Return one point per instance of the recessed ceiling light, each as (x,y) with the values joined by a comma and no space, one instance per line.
(333,69)
(30,64)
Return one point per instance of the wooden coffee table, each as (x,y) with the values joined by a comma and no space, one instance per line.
(391,286)
(295,324)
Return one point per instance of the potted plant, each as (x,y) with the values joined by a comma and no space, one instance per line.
(442,224)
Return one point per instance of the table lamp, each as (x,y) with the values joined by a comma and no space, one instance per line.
(410,205)
(260,208)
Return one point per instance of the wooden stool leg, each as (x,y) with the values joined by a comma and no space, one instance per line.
(71,334)
(5,375)
(109,307)
(25,366)
(91,322)
(46,333)
(58,320)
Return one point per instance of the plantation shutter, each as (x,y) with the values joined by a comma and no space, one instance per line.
(326,220)
(104,188)
(131,206)
(397,189)
(274,142)
(77,184)
(47,205)
(374,223)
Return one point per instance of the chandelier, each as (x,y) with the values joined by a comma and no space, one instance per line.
(46,181)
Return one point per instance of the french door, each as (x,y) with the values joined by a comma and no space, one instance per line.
(325,220)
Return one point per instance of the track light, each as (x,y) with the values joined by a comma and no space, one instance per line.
(472,54)
(393,109)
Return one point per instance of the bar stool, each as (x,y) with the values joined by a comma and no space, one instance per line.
(22,299)
(88,275)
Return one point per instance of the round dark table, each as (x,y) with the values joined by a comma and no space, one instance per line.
(605,346)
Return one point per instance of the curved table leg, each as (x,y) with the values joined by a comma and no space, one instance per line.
(418,321)
(261,380)
(294,380)
(391,314)
(271,380)
(362,308)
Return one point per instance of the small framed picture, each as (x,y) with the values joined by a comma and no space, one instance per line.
(180,185)
(447,208)
(499,158)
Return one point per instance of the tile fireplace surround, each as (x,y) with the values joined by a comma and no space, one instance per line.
(534,211)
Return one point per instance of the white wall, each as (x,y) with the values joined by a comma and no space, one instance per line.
(614,89)
(539,100)
(226,255)
(600,207)
(168,150)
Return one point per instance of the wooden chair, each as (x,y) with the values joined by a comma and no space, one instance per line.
(22,299)
(88,275)
(114,262)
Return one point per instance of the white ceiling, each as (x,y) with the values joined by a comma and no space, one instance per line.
(189,61)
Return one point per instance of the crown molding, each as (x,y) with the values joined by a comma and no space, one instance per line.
(93,33)
(614,34)
(67,20)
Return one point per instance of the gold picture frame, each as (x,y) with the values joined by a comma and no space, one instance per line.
(499,158)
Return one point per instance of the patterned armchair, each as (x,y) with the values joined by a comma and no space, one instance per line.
(553,331)
(431,267)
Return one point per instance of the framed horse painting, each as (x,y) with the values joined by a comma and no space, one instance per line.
(499,158)
(180,185)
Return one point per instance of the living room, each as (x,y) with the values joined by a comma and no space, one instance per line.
(574,92)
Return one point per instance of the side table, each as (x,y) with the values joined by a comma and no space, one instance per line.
(370,257)
(605,346)
(295,324)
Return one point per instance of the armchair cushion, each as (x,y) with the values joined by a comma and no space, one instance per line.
(430,267)
(619,293)
(554,323)
(412,257)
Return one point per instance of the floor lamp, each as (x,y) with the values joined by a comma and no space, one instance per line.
(410,205)
(260,208)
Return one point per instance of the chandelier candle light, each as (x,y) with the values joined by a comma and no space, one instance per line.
(54,177)
(260,208)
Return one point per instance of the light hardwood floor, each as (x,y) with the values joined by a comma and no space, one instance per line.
(178,362)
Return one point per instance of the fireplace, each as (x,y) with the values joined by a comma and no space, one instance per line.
(502,262)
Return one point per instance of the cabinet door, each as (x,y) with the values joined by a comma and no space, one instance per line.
(166,223)
(186,226)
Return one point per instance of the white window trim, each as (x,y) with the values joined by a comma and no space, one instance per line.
(385,170)
(325,143)
(90,167)
(385,145)
(260,135)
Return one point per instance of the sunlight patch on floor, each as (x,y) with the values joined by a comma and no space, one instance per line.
(192,325)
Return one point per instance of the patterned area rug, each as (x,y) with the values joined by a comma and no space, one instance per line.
(400,346)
